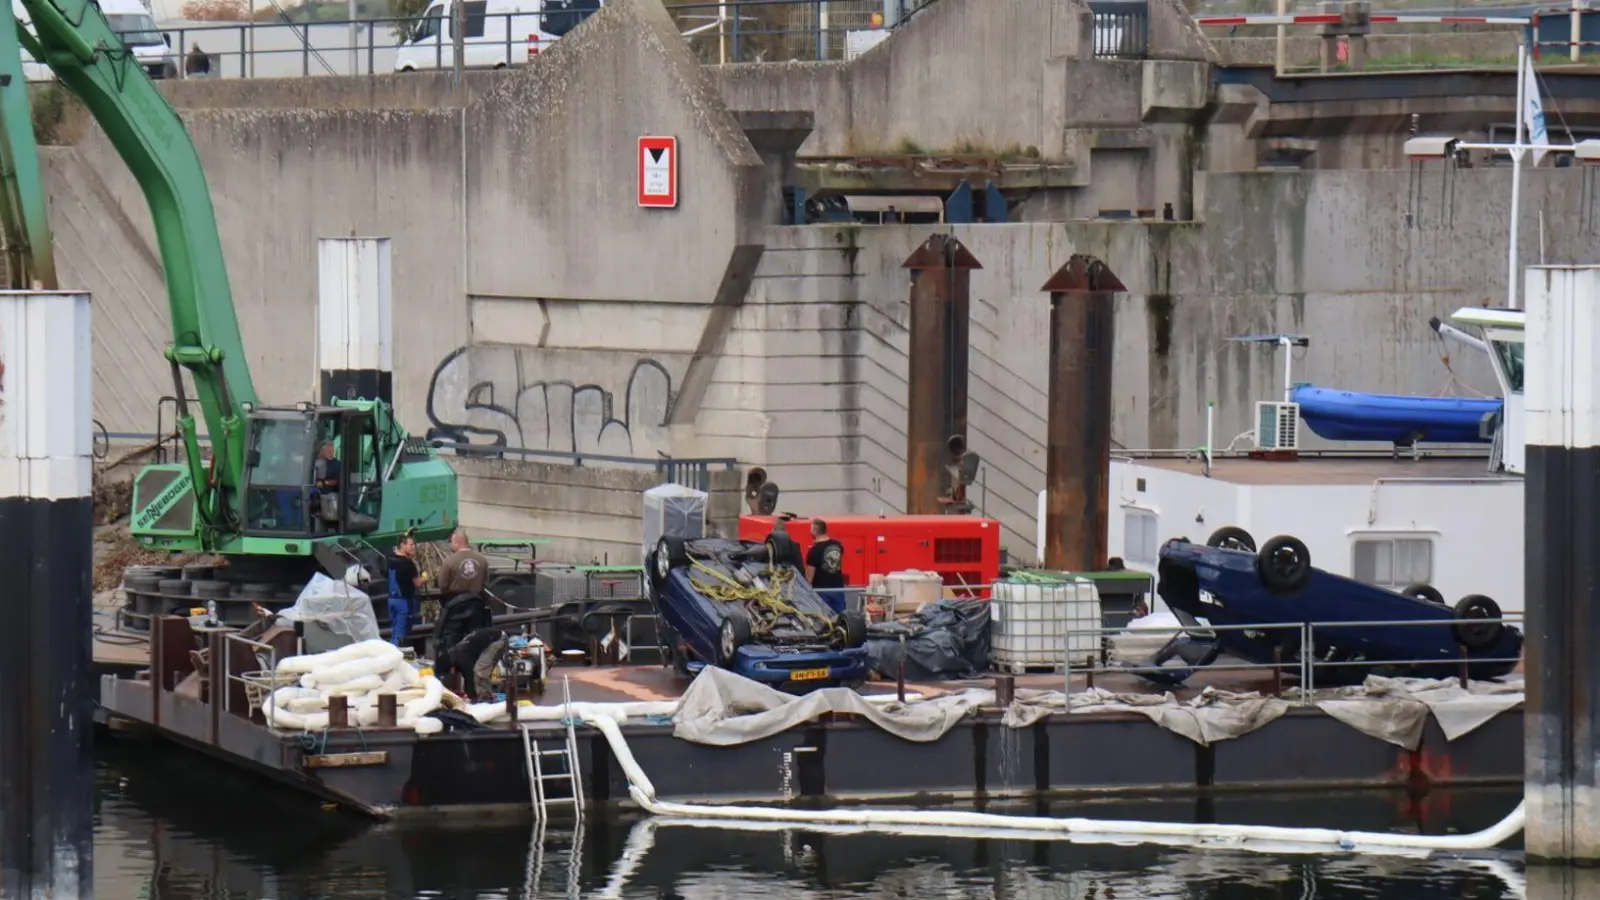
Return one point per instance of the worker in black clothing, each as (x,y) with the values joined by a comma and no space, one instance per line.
(825,566)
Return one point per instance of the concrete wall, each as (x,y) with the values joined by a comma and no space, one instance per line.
(538,306)
(509,268)
(813,381)
(587,514)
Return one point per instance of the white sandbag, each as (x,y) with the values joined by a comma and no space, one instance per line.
(433,691)
(303,705)
(395,680)
(356,687)
(311,661)
(379,660)
(428,725)
(279,718)
(284,695)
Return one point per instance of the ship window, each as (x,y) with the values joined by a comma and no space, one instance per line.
(1393,562)
(1510,353)
(1139,535)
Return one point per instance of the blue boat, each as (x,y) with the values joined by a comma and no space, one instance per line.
(1337,415)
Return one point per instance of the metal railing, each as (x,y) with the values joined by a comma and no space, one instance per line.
(1304,666)
(266,657)
(692,472)
(718,31)
(1121,29)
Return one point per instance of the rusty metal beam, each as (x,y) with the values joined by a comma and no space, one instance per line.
(936,395)
(1078,447)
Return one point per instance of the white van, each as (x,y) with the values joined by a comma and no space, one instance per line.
(498,32)
(133,23)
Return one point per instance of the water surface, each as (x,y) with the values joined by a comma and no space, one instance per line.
(173,824)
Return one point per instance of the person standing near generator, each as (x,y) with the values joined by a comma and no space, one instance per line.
(825,566)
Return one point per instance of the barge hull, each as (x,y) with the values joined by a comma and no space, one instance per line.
(400,773)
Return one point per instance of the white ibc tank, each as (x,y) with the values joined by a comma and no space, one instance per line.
(1041,623)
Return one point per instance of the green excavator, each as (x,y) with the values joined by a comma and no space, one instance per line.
(252,499)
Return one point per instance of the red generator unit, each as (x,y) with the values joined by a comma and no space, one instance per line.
(964,550)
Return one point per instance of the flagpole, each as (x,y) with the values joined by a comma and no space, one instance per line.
(1516,174)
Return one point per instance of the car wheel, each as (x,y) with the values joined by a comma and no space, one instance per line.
(1469,631)
(670,553)
(1426,592)
(733,634)
(1284,564)
(1229,537)
(855,628)
(783,550)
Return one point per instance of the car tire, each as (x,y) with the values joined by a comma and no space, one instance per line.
(855,628)
(783,550)
(1425,592)
(731,635)
(1473,634)
(1284,564)
(670,553)
(1230,537)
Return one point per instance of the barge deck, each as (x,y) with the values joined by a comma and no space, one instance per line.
(1114,750)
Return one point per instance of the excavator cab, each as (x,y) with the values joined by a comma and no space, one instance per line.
(291,487)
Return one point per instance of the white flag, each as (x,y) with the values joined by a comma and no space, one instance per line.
(1533,111)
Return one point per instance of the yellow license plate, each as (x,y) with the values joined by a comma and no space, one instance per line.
(808,674)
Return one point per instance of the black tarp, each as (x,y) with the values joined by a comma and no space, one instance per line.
(944,640)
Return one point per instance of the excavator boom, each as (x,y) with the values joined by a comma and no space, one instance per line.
(75,40)
(272,487)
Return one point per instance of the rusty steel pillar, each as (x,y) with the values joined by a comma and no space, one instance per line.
(1078,428)
(936,395)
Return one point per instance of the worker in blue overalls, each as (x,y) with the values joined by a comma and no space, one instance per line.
(404,579)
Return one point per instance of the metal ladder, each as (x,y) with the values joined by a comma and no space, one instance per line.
(568,755)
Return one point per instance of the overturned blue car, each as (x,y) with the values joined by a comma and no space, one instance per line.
(747,607)
(1356,629)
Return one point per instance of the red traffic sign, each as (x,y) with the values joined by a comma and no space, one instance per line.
(658,172)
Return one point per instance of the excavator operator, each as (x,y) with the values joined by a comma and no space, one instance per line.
(325,477)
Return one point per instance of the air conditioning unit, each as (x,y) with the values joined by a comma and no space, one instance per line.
(1277,426)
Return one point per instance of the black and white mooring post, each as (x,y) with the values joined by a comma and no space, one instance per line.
(355,320)
(1561,397)
(46,596)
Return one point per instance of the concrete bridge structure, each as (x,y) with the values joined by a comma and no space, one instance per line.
(538,306)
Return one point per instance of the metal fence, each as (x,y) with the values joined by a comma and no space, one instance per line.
(692,472)
(717,31)
(1121,29)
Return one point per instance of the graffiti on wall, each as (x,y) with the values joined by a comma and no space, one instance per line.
(484,395)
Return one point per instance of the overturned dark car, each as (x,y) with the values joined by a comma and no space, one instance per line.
(1356,629)
(747,607)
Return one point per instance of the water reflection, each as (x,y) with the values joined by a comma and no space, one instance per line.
(176,826)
